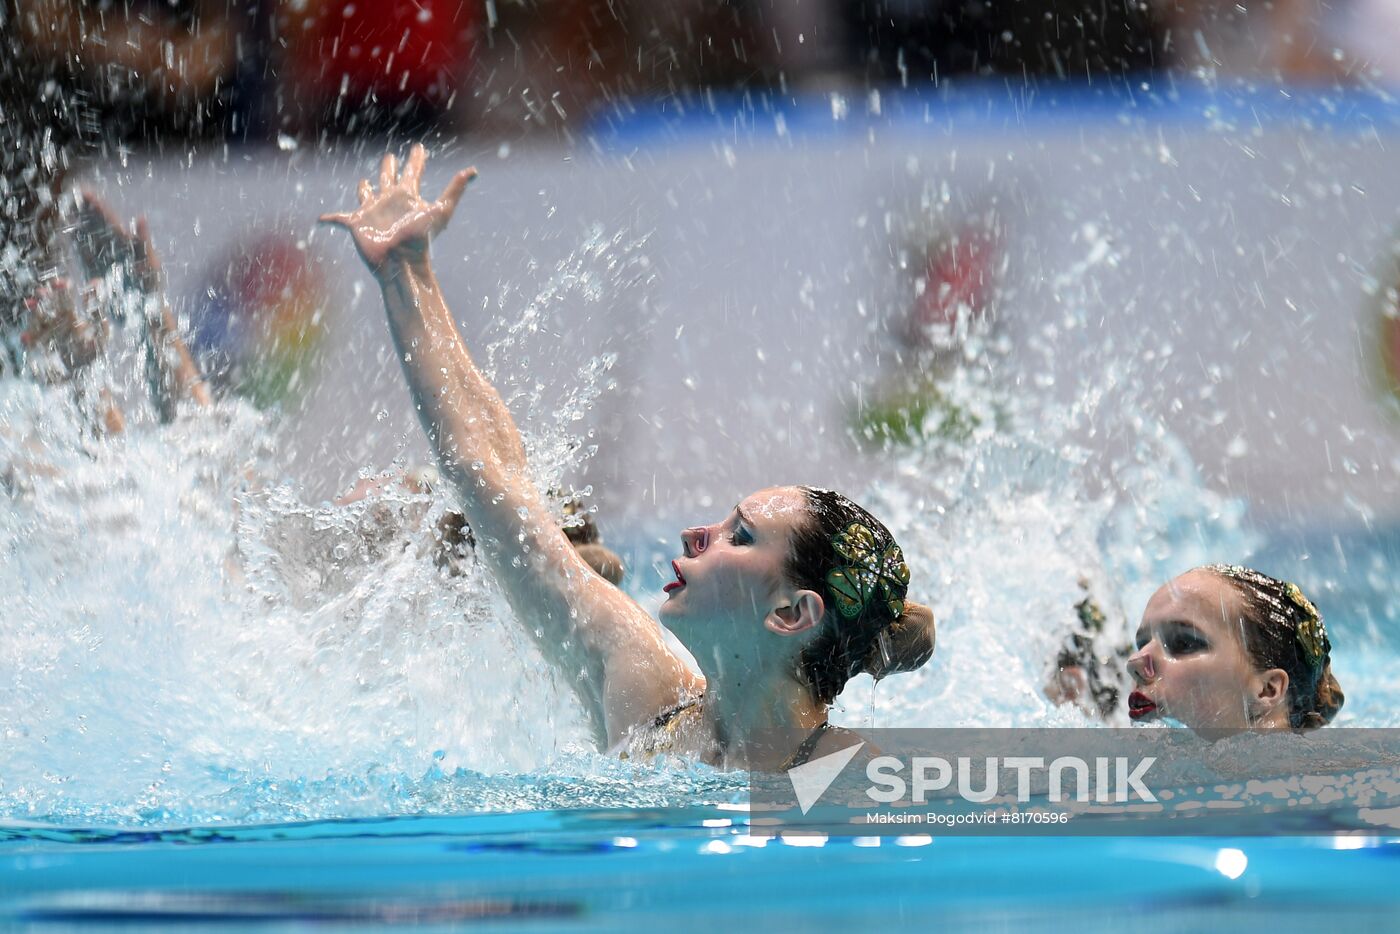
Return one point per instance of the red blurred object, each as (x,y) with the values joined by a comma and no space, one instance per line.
(396,51)
(959,274)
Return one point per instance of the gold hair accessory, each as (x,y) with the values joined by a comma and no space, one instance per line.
(1312,632)
(1090,616)
(868,570)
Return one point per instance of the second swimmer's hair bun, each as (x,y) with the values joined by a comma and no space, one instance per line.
(903,645)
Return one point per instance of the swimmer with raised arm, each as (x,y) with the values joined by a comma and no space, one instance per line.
(62,331)
(1224,649)
(780,602)
(102,242)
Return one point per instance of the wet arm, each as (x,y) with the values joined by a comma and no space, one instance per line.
(102,242)
(595,634)
(173,372)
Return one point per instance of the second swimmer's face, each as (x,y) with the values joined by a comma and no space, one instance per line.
(732,572)
(1190,662)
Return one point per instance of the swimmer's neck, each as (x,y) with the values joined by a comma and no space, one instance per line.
(1275,721)
(742,713)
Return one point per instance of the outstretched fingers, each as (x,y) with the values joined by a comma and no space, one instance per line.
(447,204)
(413,171)
(390,179)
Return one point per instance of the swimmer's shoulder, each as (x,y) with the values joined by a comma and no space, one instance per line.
(676,730)
(839,738)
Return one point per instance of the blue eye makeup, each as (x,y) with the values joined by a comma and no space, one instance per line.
(1184,642)
(1177,639)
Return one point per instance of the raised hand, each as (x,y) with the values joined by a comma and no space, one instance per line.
(102,241)
(55,321)
(395,224)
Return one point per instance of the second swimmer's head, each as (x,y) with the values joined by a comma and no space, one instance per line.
(1224,649)
(797,581)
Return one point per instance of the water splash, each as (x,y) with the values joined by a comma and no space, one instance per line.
(198,639)
(195,643)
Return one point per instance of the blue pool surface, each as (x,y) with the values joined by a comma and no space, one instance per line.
(684,868)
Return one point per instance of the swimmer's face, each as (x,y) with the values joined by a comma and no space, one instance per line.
(730,574)
(1190,662)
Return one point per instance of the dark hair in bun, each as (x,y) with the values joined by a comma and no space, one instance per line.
(903,645)
(850,557)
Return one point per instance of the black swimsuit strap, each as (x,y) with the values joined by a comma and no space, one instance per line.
(809,746)
(669,715)
(800,757)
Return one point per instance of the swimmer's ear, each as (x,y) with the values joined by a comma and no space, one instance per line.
(1270,690)
(803,613)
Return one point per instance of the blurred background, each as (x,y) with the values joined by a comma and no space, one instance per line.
(163,72)
(708,233)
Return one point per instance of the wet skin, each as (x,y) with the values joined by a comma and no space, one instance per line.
(732,571)
(1191,664)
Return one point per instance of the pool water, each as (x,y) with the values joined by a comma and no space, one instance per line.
(691,868)
(383,748)
(248,801)
(228,705)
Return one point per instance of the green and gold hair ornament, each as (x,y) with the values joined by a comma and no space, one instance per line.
(1091,617)
(869,572)
(1312,632)
(1309,632)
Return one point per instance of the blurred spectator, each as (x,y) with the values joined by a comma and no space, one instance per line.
(1306,41)
(928,40)
(91,72)
(79,77)
(543,65)
(362,65)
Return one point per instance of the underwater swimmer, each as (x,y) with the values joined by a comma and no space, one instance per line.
(1224,649)
(780,602)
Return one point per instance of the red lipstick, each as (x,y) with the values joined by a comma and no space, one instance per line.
(678,583)
(1140,705)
